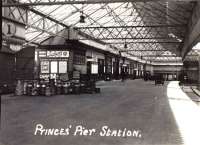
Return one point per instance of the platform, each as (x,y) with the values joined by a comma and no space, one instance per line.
(161,114)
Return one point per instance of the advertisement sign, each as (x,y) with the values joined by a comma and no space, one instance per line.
(44,66)
(54,54)
(57,53)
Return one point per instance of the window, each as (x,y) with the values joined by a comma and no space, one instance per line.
(79,59)
(109,65)
(94,69)
(62,66)
(54,67)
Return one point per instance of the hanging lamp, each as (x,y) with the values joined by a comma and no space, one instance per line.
(82,17)
(125,45)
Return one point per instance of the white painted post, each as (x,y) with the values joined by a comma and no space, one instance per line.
(199,74)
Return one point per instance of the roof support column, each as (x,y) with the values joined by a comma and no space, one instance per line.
(193,35)
(199,74)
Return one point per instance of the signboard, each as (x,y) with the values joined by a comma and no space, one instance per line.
(42,53)
(91,59)
(15,48)
(8,29)
(54,54)
(58,54)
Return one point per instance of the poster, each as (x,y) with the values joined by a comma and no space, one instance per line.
(44,66)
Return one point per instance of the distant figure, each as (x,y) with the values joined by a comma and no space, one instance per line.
(159,79)
(123,75)
(145,76)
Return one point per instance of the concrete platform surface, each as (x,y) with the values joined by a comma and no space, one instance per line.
(140,110)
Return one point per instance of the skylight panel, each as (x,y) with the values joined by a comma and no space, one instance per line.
(197,46)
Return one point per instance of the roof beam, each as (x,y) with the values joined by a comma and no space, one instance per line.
(123,38)
(136,26)
(150,42)
(48,17)
(89,17)
(161,56)
(69,2)
(136,32)
(59,23)
(193,35)
(142,50)
(157,56)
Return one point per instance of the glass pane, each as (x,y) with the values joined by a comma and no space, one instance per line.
(62,66)
(44,67)
(54,67)
(94,69)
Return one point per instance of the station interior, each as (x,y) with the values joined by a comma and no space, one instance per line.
(128,65)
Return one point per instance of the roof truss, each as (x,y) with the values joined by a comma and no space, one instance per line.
(150,28)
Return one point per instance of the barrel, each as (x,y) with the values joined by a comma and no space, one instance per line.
(58,89)
(19,88)
(66,88)
(29,89)
(48,91)
(42,90)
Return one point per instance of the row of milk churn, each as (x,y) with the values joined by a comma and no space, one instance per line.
(32,88)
